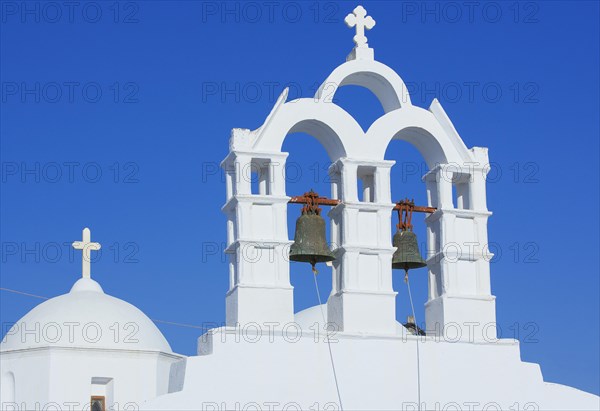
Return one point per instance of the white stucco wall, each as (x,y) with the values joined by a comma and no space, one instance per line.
(268,371)
(62,377)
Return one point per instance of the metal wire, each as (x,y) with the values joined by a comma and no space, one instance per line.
(337,386)
(10,290)
(23,293)
(417,341)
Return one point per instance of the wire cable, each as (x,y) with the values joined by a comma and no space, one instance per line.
(178,324)
(10,290)
(417,341)
(23,293)
(337,386)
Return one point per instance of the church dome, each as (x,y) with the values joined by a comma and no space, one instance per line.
(307,318)
(86,317)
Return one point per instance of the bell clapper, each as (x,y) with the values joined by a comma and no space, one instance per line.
(406,275)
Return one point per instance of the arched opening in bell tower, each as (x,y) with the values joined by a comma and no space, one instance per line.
(406,182)
(307,168)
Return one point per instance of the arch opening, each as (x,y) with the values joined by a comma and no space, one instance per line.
(307,168)
(384,82)
(428,147)
(323,133)
(406,182)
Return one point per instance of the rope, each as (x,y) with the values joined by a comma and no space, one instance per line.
(417,342)
(337,387)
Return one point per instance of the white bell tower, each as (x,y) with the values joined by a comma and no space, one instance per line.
(257,236)
(362,299)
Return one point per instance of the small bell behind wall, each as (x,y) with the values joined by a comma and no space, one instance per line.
(407,255)
(310,245)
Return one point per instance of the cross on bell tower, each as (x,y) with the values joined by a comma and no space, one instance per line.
(359,19)
(86,246)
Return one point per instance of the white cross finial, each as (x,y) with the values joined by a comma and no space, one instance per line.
(86,246)
(359,18)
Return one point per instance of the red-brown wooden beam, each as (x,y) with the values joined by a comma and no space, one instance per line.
(419,209)
(329,202)
(320,201)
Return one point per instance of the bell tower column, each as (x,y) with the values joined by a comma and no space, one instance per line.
(362,297)
(460,304)
(257,239)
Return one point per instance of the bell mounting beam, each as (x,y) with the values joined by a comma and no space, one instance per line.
(415,208)
(331,202)
(405,209)
(305,199)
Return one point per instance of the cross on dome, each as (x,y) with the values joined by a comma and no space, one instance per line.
(359,18)
(86,246)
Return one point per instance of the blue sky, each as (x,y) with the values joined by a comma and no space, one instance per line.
(116,117)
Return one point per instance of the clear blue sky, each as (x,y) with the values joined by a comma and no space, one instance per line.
(117,117)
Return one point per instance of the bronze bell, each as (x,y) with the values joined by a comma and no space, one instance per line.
(407,255)
(310,245)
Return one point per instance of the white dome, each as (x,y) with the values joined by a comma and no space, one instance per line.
(86,318)
(307,318)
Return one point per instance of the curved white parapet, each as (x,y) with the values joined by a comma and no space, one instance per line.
(387,86)
(331,125)
(430,131)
